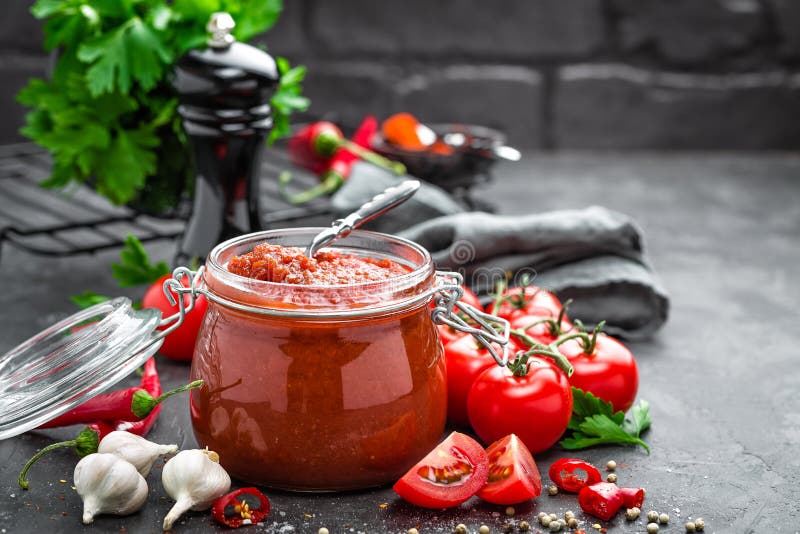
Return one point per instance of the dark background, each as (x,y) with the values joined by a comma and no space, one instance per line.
(554,74)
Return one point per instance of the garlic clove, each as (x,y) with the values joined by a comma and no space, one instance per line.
(195,480)
(108,484)
(134,449)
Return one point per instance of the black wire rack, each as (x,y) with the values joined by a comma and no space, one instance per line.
(79,221)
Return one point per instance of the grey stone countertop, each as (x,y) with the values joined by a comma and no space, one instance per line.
(723,232)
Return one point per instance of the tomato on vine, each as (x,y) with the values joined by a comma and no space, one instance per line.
(525,300)
(603,366)
(544,329)
(531,398)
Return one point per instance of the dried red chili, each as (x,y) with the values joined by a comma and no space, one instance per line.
(602,500)
(245,506)
(573,474)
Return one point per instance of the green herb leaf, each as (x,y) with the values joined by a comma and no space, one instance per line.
(134,52)
(594,422)
(287,98)
(126,164)
(135,268)
(87,299)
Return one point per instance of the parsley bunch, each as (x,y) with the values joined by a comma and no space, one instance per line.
(594,422)
(108,115)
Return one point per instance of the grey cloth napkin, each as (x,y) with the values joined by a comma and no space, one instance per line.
(593,256)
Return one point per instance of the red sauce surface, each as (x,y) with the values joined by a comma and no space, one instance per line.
(289,265)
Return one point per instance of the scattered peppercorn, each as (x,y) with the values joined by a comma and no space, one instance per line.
(524,526)
(552,490)
(484,529)
(555,526)
(545,520)
(553,517)
(572,522)
(461,528)
(323,530)
(542,514)
(663,519)
(611,465)
(510,511)
(632,514)
(652,528)
(699,524)
(569,514)
(612,478)
(690,526)
(652,516)
(413,530)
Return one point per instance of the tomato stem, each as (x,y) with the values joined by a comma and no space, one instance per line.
(538,349)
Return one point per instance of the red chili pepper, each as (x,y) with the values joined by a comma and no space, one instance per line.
(633,497)
(602,500)
(245,506)
(339,166)
(131,404)
(573,474)
(152,384)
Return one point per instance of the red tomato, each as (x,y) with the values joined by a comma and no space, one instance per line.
(536,407)
(536,301)
(465,359)
(513,475)
(609,372)
(179,345)
(449,475)
(471,298)
(602,500)
(449,334)
(573,474)
(542,332)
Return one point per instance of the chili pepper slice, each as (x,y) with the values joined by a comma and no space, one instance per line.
(245,506)
(633,497)
(602,500)
(573,474)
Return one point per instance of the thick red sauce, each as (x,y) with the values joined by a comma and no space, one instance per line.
(317,403)
(289,265)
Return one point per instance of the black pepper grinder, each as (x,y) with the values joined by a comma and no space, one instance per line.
(224,93)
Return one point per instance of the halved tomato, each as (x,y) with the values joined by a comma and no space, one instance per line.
(513,475)
(449,475)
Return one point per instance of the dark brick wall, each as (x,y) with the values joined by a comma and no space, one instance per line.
(609,74)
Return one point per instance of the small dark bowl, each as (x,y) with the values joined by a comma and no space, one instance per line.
(463,168)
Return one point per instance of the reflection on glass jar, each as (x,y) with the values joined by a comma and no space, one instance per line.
(320,388)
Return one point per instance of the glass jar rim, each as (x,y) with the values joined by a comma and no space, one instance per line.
(416,257)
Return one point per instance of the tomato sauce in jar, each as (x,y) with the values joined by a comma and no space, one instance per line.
(328,373)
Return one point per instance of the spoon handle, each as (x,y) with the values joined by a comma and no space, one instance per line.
(378,205)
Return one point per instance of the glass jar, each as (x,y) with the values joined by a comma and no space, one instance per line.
(319,388)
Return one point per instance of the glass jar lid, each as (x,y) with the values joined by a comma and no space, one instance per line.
(73,361)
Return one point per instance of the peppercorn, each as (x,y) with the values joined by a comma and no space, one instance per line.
(569,514)
(699,524)
(545,520)
(323,530)
(690,526)
(524,526)
(652,528)
(631,514)
(611,465)
(663,519)
(413,530)
(510,511)
(572,522)
(542,514)
(612,478)
(652,516)
(461,528)
(552,490)
(484,529)
(555,526)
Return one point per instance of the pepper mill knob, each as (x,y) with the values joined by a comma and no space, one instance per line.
(220,26)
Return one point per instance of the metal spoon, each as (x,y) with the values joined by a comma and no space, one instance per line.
(380,204)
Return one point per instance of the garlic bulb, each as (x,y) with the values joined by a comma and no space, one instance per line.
(108,485)
(134,449)
(195,480)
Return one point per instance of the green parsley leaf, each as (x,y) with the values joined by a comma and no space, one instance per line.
(287,99)
(126,164)
(134,52)
(594,422)
(135,268)
(87,299)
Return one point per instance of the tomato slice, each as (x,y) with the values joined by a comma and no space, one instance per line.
(449,475)
(513,475)
(573,474)
(602,500)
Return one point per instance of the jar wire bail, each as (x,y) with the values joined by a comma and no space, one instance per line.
(491,330)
